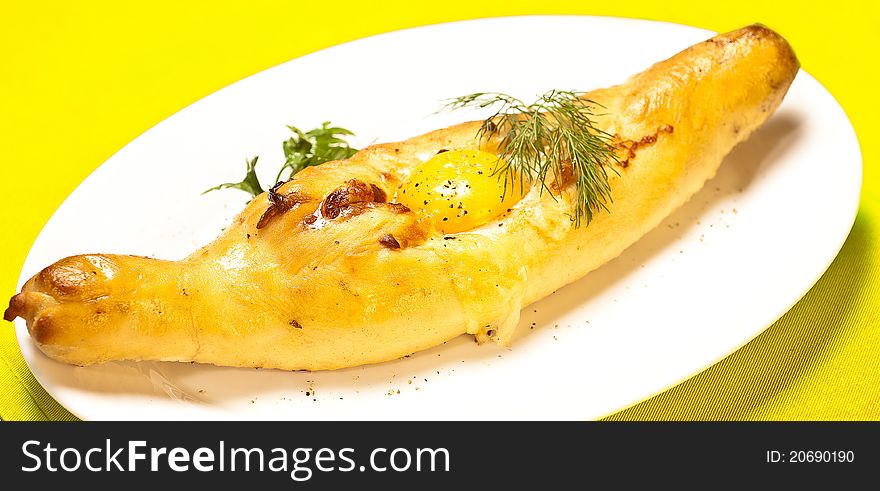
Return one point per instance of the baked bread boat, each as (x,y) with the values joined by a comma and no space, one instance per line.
(339,267)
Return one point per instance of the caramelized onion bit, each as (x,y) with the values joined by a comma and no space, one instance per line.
(351,192)
(389,241)
(279,204)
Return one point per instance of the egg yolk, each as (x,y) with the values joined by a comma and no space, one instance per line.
(457,190)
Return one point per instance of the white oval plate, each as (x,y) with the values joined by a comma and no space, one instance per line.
(715,274)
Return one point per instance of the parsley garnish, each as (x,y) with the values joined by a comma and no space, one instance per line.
(303,149)
(250,184)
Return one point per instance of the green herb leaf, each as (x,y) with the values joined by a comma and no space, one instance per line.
(250,184)
(303,149)
(314,147)
(555,130)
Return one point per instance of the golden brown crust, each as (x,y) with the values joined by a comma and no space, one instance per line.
(322,272)
(17,306)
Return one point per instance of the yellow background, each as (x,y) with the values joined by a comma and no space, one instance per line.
(78,82)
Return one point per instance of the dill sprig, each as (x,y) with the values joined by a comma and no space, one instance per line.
(544,136)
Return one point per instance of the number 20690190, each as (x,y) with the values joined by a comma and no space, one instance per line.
(810,456)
